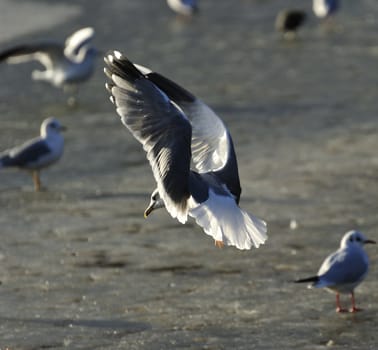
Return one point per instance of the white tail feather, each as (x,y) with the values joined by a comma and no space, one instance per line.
(221,218)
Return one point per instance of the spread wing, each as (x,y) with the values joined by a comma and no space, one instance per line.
(210,139)
(158,125)
(46,53)
(212,146)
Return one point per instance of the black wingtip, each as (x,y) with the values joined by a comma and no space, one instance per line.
(121,66)
(14,51)
(308,279)
(5,160)
(174,91)
(27,49)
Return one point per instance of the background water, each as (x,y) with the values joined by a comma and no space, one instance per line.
(80,267)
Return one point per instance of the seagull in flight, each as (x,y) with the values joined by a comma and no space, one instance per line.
(37,153)
(343,270)
(65,64)
(177,129)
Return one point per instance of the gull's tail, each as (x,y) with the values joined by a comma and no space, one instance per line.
(308,279)
(221,218)
(313,279)
(4,160)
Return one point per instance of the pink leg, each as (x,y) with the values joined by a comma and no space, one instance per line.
(354,308)
(338,305)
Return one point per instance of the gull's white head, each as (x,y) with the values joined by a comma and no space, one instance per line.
(354,238)
(51,126)
(156,202)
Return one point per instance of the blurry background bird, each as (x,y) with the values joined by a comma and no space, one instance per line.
(325,8)
(37,153)
(289,21)
(184,7)
(66,64)
(343,270)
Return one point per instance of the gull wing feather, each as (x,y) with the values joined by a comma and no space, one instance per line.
(158,125)
(212,146)
(26,154)
(45,53)
(342,267)
(210,139)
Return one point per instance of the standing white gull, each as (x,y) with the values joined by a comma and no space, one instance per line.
(65,63)
(343,270)
(175,129)
(37,153)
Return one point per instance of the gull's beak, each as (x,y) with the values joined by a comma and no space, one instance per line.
(155,203)
(369,241)
(149,210)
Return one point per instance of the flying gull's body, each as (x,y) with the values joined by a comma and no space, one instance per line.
(343,270)
(175,129)
(37,153)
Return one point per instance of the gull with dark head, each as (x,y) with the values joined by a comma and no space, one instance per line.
(65,64)
(343,270)
(177,129)
(289,21)
(37,153)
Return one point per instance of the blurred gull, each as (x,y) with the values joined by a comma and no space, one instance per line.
(176,129)
(343,270)
(65,63)
(183,7)
(289,21)
(325,8)
(37,153)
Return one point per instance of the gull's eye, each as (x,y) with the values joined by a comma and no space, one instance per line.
(358,239)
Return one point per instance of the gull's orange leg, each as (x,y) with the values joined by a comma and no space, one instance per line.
(36,180)
(219,244)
